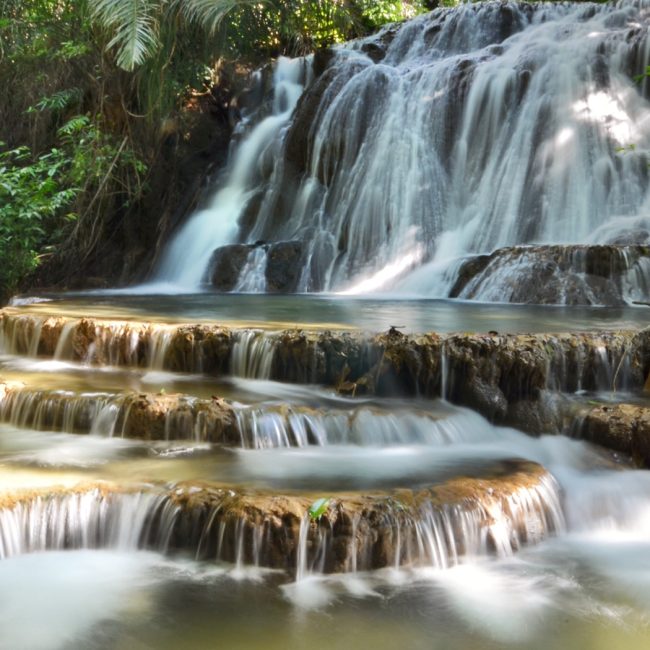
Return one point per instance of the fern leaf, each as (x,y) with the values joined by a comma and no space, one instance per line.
(135,27)
(210,13)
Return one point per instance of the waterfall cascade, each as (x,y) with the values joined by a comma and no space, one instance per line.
(456,134)
(473,476)
(337,458)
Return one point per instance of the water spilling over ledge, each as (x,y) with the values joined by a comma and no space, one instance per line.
(504,377)
(127,415)
(518,505)
(156,416)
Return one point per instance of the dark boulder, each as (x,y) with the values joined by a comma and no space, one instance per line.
(284,266)
(226,265)
(554,274)
(373,51)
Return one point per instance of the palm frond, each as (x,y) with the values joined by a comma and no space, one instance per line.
(135,27)
(210,13)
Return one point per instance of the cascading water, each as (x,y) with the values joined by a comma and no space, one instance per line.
(84,520)
(216,224)
(377,475)
(457,133)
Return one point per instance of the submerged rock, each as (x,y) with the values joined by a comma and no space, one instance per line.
(564,275)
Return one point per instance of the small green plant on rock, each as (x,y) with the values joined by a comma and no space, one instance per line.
(318,508)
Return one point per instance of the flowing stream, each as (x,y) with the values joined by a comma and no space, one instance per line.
(123,485)
(396,457)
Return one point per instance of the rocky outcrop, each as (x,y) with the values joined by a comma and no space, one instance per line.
(159,417)
(282,265)
(313,104)
(504,377)
(514,504)
(226,265)
(621,427)
(144,416)
(566,275)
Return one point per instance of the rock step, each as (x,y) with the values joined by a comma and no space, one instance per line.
(156,416)
(519,503)
(144,416)
(621,427)
(282,263)
(501,376)
(557,275)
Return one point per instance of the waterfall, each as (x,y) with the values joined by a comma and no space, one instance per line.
(62,410)
(272,426)
(252,354)
(217,223)
(87,519)
(457,133)
(598,360)
(243,528)
(435,536)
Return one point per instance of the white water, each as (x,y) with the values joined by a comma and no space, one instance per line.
(484,126)
(186,261)
(464,578)
(54,600)
(597,521)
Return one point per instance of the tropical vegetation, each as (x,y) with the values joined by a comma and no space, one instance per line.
(98,87)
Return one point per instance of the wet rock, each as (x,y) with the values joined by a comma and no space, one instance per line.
(323,57)
(250,214)
(144,416)
(570,275)
(468,271)
(284,266)
(551,412)
(226,265)
(620,427)
(514,504)
(374,51)
(313,103)
(491,373)
(174,417)
(193,348)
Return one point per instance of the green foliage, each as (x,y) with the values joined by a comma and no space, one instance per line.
(640,78)
(43,198)
(318,509)
(33,192)
(58,101)
(210,13)
(95,84)
(134,24)
(94,153)
(388,11)
(280,26)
